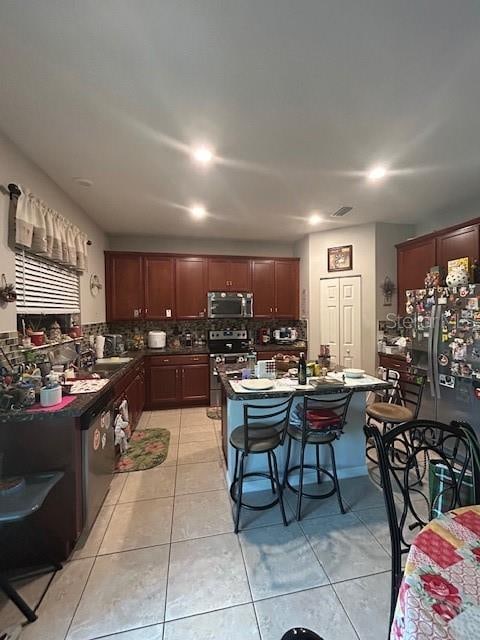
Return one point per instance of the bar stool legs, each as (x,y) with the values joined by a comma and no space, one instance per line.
(236,488)
(319,470)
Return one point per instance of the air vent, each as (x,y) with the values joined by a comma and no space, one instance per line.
(341,212)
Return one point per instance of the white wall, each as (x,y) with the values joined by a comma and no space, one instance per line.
(374,256)
(362,237)
(386,237)
(302,251)
(17,168)
(165,244)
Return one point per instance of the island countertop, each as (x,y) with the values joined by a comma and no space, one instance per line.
(283,389)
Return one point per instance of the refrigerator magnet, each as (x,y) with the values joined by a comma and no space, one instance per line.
(464,291)
(443,359)
(446,381)
(442,300)
(465,370)
(472,304)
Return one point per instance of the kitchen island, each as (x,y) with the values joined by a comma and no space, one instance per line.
(349,449)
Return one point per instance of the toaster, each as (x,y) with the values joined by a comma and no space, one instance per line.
(114,345)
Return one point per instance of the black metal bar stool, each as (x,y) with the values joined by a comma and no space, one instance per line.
(16,505)
(401,405)
(321,422)
(263,430)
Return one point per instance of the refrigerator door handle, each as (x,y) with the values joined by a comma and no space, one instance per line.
(436,335)
(431,342)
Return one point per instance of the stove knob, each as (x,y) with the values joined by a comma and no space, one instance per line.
(241,359)
(218,359)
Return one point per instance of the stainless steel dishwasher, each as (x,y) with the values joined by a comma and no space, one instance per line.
(98,456)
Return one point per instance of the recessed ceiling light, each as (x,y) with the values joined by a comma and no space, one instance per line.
(203,155)
(83,182)
(377,173)
(314,218)
(198,211)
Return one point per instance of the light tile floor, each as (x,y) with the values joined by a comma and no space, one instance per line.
(162,561)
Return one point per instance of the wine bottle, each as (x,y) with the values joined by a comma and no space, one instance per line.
(302,370)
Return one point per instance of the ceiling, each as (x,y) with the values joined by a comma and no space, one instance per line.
(299,98)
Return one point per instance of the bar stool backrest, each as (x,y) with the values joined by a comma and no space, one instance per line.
(257,418)
(332,410)
(409,391)
(388,375)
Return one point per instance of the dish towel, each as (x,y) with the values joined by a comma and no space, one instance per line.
(121,429)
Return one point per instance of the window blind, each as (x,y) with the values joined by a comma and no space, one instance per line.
(45,287)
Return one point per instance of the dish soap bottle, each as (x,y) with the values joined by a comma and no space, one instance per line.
(302,370)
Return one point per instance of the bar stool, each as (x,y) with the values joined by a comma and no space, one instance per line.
(263,430)
(321,422)
(16,505)
(402,405)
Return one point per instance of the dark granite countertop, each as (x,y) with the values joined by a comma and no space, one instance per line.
(223,371)
(280,348)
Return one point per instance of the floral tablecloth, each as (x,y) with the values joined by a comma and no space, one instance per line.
(440,593)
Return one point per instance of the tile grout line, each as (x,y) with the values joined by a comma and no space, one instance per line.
(248,581)
(167,577)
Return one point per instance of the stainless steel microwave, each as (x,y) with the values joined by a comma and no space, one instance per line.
(230,304)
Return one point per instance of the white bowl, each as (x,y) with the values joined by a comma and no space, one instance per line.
(354,373)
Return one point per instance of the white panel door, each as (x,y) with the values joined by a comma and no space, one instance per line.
(341,320)
(350,322)
(329,316)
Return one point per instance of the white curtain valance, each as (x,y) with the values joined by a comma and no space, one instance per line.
(46,233)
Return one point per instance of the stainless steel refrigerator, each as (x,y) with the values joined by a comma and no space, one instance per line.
(444,330)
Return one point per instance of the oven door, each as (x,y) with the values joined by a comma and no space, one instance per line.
(226,305)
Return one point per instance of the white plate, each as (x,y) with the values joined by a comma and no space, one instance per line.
(261,384)
(354,373)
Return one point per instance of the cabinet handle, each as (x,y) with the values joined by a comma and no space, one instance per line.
(271,309)
(276,309)
(146,311)
(165,360)
(195,359)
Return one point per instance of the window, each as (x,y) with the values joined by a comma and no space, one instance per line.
(45,287)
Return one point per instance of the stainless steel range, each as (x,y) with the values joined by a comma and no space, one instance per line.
(226,347)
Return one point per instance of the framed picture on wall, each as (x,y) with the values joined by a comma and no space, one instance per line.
(340,258)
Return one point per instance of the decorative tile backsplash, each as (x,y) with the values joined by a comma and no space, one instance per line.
(9,340)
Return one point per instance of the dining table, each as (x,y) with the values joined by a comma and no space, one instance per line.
(439,597)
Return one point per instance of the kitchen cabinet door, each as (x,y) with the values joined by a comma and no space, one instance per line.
(240,275)
(286,289)
(229,275)
(163,385)
(159,287)
(191,288)
(195,383)
(124,290)
(218,274)
(414,260)
(263,285)
(461,243)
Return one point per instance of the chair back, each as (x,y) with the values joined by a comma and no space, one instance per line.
(409,391)
(385,395)
(426,467)
(257,418)
(327,413)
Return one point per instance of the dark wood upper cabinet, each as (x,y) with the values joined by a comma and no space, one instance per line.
(159,287)
(263,286)
(229,274)
(124,291)
(460,243)
(416,257)
(190,287)
(240,275)
(414,260)
(286,289)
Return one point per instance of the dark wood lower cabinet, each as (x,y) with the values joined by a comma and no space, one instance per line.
(177,381)
(163,386)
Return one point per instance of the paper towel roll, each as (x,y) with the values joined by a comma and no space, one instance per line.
(99,346)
